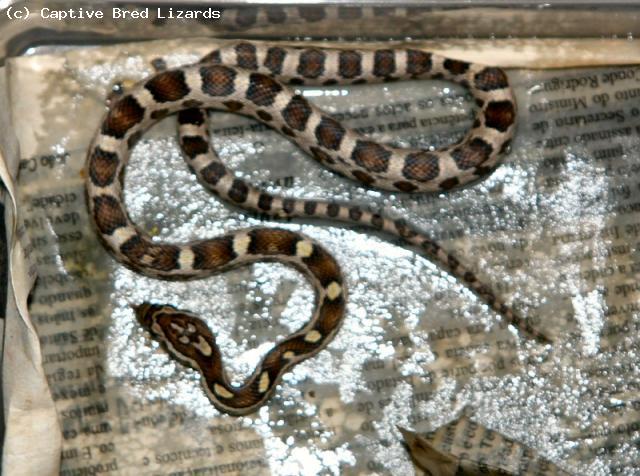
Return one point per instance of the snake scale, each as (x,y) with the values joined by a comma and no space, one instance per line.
(249,78)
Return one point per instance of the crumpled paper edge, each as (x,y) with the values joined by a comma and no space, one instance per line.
(33,437)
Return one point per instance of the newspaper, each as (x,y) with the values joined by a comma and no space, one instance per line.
(554,230)
(466,447)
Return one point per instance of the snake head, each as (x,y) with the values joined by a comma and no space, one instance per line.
(142,313)
(145,313)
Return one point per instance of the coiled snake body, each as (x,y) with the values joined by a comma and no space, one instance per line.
(248,78)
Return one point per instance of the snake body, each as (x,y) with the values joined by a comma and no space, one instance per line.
(248,78)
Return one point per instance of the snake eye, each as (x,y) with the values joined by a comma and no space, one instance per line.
(145,312)
(141,308)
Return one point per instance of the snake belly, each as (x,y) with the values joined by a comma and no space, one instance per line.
(248,78)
